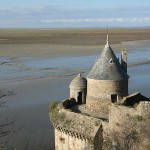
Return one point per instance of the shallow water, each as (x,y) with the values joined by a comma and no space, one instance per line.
(39,80)
(27,66)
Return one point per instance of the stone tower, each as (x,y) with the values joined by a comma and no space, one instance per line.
(107,82)
(78,89)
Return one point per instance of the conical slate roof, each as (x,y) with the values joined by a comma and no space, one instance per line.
(107,66)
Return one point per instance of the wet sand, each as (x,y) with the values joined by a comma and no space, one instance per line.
(63,42)
(28,70)
(86,36)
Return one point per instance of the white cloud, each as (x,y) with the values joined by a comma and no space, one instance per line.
(134,19)
(86,20)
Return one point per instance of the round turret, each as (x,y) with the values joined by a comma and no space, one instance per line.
(107,82)
(78,88)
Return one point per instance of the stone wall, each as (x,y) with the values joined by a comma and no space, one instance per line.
(99,93)
(120,114)
(74,131)
(66,141)
(128,124)
(98,140)
(74,94)
(143,109)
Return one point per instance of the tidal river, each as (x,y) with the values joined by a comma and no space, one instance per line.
(38,80)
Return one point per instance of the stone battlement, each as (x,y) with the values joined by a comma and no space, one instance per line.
(75,123)
(77,129)
(70,133)
(120,113)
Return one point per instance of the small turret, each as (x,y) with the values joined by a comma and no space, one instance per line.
(124,59)
(78,89)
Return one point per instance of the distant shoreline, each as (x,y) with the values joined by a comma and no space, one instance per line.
(64,42)
(86,36)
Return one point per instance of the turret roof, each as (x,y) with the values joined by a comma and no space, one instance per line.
(107,66)
(78,83)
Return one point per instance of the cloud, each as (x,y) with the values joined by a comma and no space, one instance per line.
(57,16)
(134,19)
(86,20)
(56,12)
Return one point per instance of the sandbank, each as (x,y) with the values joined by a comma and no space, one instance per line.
(63,42)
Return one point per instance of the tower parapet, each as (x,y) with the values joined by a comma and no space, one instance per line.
(74,131)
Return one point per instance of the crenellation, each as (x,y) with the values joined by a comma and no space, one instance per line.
(73,134)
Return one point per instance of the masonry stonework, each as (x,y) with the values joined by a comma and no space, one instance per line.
(74,93)
(66,141)
(99,93)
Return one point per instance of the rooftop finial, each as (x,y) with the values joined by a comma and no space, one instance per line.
(79,74)
(107,41)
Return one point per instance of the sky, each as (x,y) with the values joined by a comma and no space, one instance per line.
(74,13)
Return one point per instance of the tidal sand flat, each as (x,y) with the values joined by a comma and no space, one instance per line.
(40,70)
